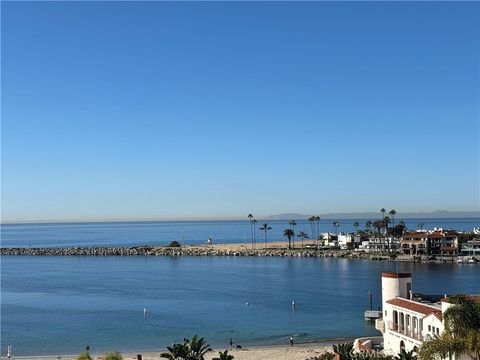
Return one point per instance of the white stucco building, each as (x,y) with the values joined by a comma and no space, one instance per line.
(408,318)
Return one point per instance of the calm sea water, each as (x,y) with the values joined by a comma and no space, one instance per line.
(58,305)
(190,232)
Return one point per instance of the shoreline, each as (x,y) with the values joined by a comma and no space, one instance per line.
(274,249)
(299,351)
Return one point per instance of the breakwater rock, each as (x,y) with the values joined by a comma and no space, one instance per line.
(175,251)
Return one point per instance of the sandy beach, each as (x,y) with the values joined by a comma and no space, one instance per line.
(276,245)
(296,352)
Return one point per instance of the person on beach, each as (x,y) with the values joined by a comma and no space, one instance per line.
(291,340)
(231,343)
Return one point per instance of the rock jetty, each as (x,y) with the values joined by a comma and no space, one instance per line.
(174,251)
(212,251)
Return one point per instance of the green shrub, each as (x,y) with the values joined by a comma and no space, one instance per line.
(113,356)
(224,356)
(174,243)
(325,356)
(84,355)
(344,350)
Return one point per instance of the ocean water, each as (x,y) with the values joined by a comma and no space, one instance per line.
(187,232)
(58,305)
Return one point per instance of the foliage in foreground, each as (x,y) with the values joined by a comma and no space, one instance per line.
(224,356)
(406,355)
(113,356)
(194,349)
(325,356)
(344,350)
(84,355)
(461,334)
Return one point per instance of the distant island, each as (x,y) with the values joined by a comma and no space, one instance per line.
(440,214)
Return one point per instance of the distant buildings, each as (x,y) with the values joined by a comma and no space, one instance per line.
(471,248)
(436,242)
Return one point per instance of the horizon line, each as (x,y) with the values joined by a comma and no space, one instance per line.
(272,217)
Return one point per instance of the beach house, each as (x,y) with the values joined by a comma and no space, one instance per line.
(471,248)
(436,242)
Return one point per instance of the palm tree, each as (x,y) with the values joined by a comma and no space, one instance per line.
(317,219)
(289,234)
(175,352)
(254,221)
(194,349)
(356,225)
(250,217)
(392,214)
(368,225)
(382,210)
(385,222)
(293,223)
(265,228)
(378,225)
(302,235)
(312,225)
(336,225)
(226,356)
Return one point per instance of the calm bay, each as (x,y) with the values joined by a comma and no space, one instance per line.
(58,305)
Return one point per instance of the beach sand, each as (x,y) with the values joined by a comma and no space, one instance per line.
(296,352)
(242,246)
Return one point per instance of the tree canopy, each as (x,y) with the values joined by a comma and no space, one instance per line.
(461,335)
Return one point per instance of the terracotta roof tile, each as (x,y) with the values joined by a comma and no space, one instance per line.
(413,306)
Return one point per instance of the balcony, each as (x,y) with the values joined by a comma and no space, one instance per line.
(406,331)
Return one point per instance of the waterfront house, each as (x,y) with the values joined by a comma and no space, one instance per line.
(414,243)
(348,241)
(436,242)
(442,242)
(471,248)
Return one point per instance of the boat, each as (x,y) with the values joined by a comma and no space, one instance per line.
(476,230)
(466,260)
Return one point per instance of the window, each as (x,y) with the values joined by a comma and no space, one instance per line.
(385,313)
(438,331)
(429,328)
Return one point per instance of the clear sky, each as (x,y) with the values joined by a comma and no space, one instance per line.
(121,110)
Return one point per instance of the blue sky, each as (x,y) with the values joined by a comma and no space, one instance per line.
(121,110)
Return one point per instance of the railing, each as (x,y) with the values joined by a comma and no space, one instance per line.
(405,330)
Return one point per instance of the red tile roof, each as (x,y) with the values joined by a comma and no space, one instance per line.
(415,235)
(396,275)
(413,306)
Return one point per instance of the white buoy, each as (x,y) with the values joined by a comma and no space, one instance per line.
(293,304)
(144,312)
(246,304)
